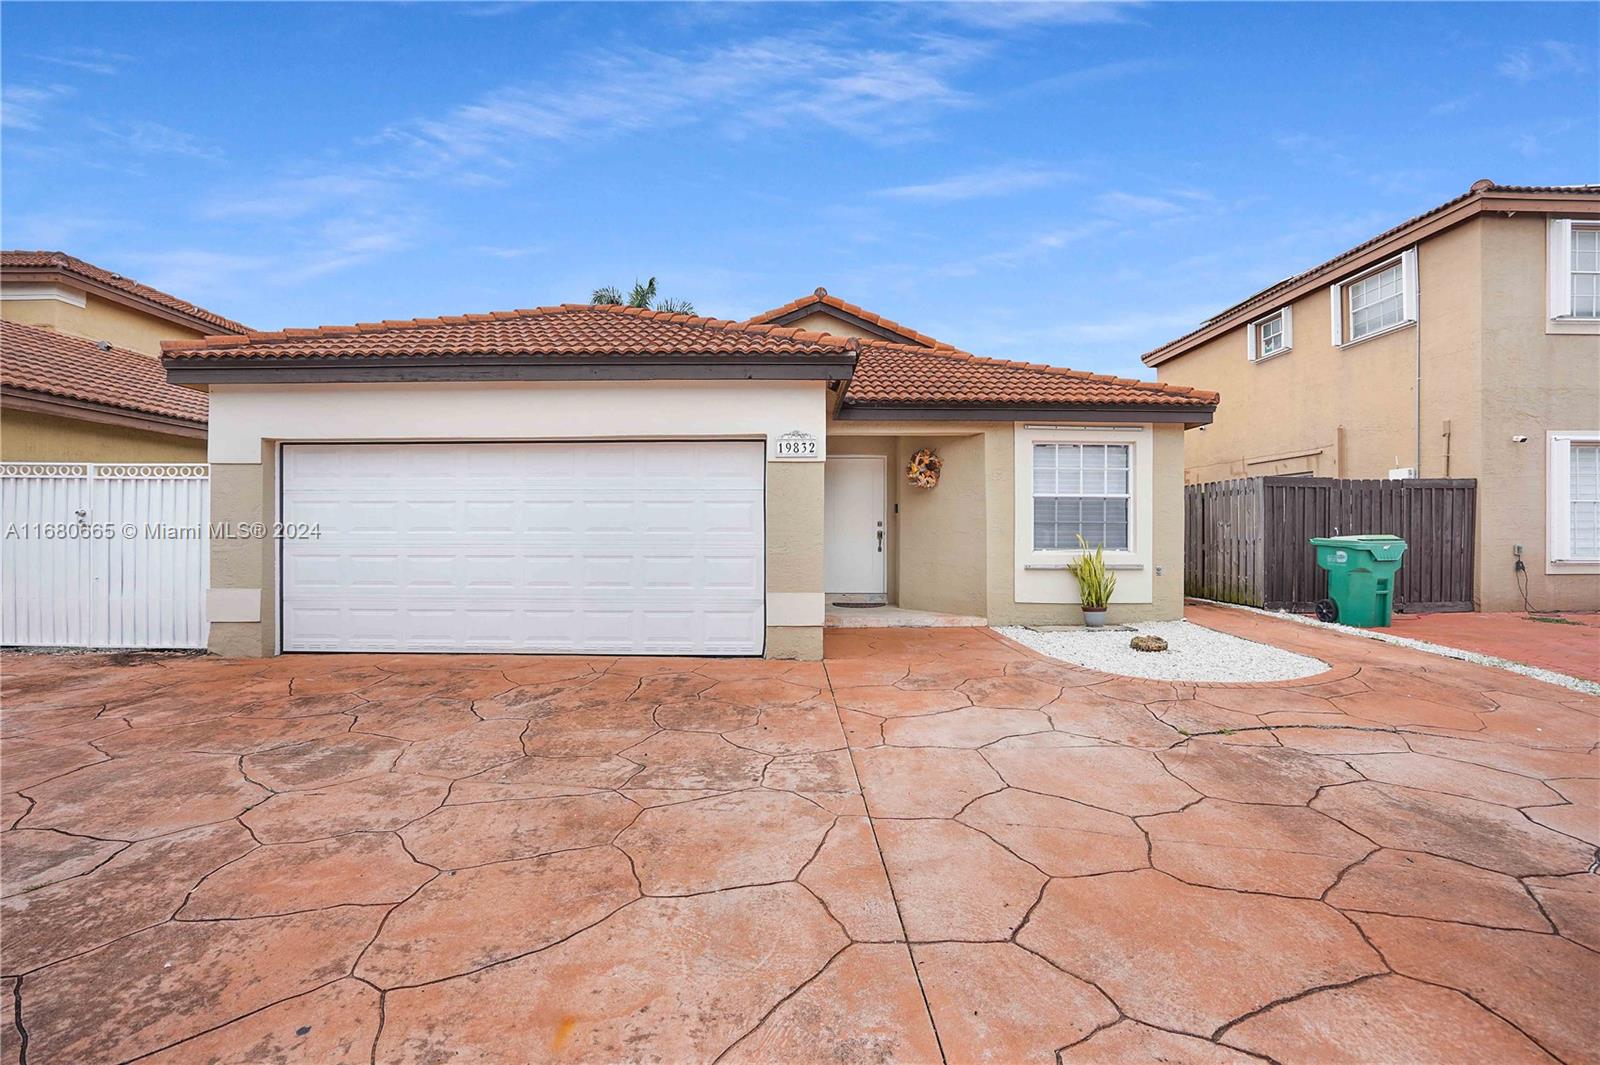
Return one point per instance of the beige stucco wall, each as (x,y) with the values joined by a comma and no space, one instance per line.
(1535,382)
(99,319)
(822,322)
(943,549)
(28,436)
(1490,370)
(794,558)
(957,542)
(242,494)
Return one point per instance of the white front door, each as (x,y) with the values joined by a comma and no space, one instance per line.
(854,531)
(597,548)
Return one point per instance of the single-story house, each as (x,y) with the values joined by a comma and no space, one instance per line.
(612,480)
(67,399)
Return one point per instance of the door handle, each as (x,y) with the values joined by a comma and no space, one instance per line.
(880,541)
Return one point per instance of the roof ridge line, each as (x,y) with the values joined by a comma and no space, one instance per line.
(267,337)
(823,296)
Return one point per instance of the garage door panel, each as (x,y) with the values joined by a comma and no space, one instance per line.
(649,548)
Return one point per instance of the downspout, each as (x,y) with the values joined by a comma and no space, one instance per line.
(1416,259)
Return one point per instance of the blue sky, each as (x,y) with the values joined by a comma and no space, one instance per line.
(1071,184)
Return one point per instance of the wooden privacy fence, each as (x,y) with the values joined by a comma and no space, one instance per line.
(1245,541)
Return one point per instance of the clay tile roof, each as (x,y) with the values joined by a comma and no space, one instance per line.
(59,261)
(571,329)
(904,375)
(1263,299)
(49,363)
(822,298)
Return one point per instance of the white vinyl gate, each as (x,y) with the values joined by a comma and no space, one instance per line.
(113,555)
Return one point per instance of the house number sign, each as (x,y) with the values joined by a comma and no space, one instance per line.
(796,445)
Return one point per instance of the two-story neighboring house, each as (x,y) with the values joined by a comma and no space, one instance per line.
(80,370)
(1464,342)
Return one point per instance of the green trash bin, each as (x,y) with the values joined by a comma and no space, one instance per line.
(1361,576)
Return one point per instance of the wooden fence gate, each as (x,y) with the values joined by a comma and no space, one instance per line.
(1245,541)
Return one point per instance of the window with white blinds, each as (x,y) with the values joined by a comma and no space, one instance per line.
(1585,279)
(1583,500)
(1081,489)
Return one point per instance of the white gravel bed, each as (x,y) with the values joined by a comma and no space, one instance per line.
(1549,676)
(1193,652)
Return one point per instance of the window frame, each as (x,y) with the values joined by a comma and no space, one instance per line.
(1558,502)
(1558,280)
(1252,335)
(1127,494)
(1338,298)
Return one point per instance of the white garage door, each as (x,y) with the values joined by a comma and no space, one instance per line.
(607,548)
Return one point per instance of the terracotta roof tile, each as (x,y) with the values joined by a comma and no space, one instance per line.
(904,375)
(56,364)
(572,329)
(821,297)
(1265,296)
(73,266)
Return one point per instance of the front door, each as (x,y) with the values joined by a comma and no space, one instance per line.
(854,529)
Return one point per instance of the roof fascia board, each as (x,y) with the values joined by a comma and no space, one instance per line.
(1190,416)
(823,307)
(83,410)
(388,368)
(1425,228)
(116,295)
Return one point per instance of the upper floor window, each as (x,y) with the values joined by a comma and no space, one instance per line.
(1269,336)
(1574,281)
(1081,490)
(1383,298)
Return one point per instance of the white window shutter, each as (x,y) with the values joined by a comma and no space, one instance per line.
(1558,276)
(1408,282)
(1250,341)
(1336,305)
(1288,328)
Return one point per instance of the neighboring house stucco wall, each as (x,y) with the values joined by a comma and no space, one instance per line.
(249,421)
(98,319)
(1536,381)
(27,436)
(1490,370)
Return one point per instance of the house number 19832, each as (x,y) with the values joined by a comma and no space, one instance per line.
(796,445)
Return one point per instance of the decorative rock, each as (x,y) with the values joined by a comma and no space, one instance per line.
(1148,643)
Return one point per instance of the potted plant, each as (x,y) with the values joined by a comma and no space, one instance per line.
(1095,583)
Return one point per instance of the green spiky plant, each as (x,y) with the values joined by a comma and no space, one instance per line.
(643,295)
(1095,582)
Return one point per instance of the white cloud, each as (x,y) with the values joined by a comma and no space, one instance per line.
(92,60)
(978,184)
(24,106)
(757,85)
(1011,15)
(1542,60)
(1127,204)
(294,197)
(153,138)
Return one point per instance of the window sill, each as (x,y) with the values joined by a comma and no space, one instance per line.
(1572,326)
(1407,324)
(1268,358)
(1117,566)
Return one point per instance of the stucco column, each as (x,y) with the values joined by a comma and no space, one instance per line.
(794,560)
(242,600)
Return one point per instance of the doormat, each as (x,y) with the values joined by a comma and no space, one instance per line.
(859,606)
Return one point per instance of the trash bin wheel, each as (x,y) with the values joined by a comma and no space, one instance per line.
(1327,610)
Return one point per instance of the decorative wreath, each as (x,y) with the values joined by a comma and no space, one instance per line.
(924,469)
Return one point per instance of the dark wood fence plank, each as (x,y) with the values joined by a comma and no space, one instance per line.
(1245,541)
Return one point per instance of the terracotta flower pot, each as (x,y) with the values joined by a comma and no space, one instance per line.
(1094,619)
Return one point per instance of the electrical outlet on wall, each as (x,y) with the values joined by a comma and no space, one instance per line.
(1516,549)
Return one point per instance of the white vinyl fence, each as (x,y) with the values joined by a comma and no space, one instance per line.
(114,555)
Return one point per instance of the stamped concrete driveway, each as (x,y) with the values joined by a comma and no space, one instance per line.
(938,846)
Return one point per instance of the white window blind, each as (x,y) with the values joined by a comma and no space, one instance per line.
(1585,272)
(1583,502)
(1081,489)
